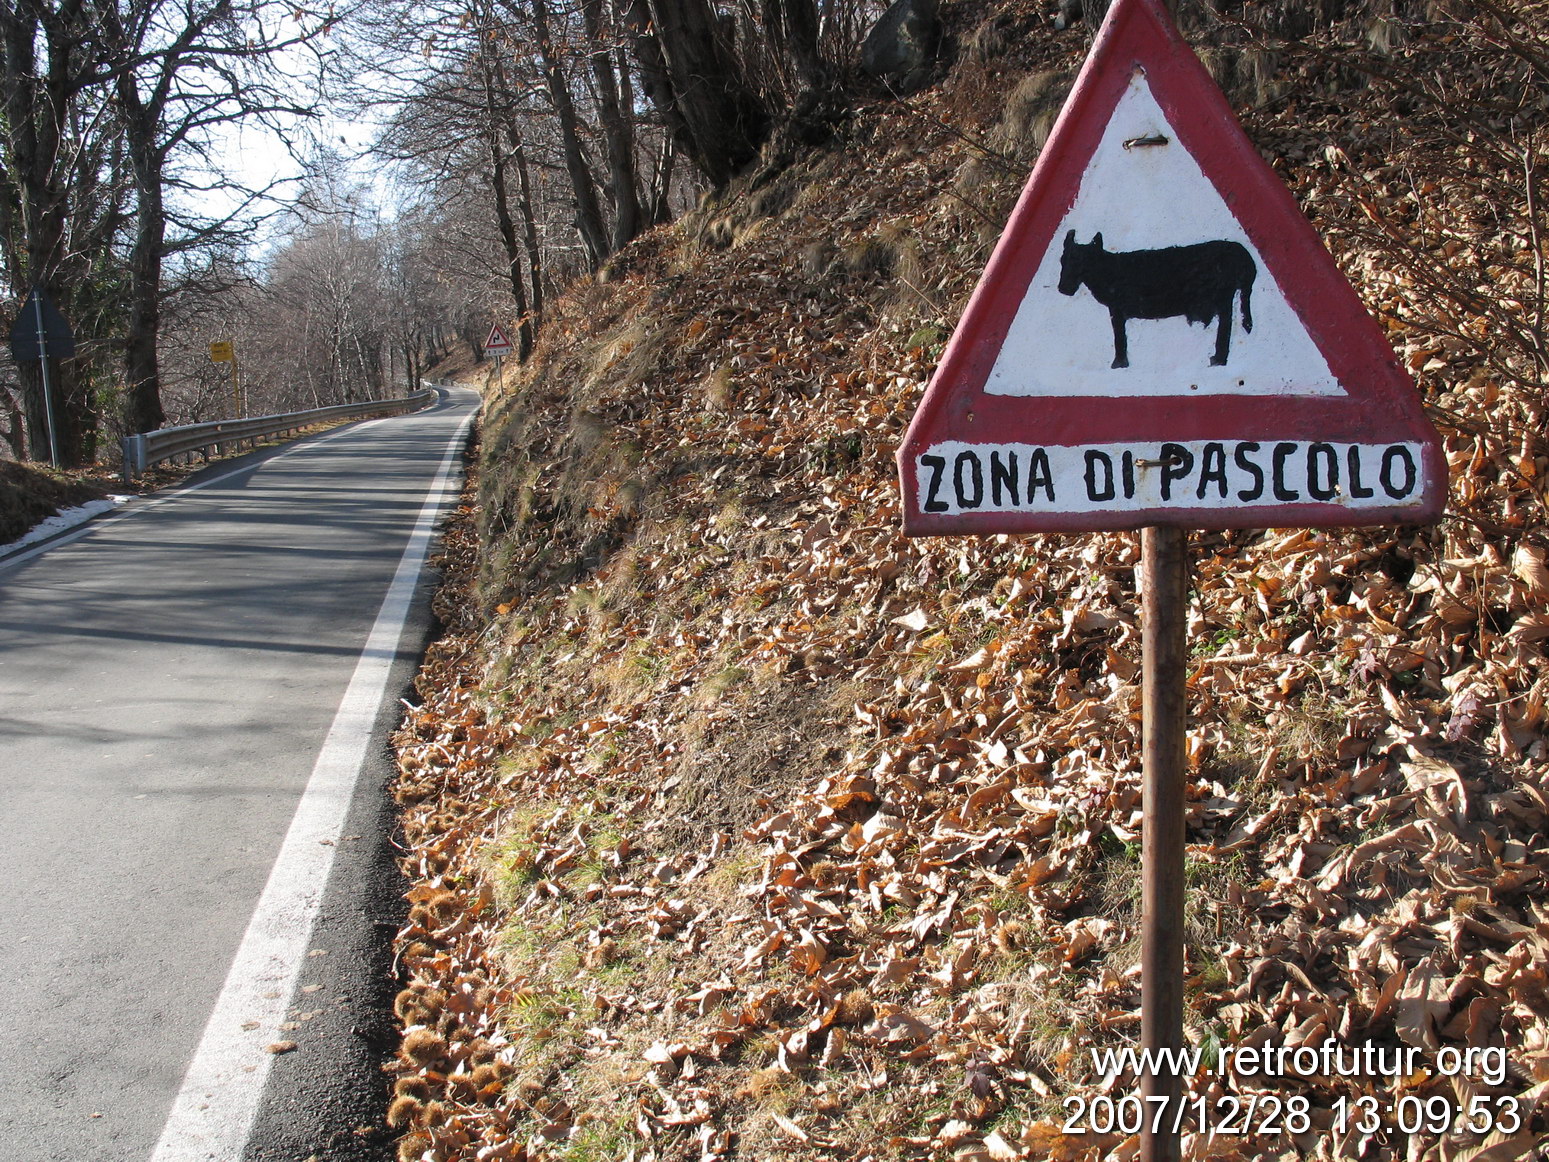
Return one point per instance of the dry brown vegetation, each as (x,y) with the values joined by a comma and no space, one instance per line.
(29,495)
(745,828)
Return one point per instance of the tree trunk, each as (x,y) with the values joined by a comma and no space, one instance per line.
(36,97)
(589,220)
(808,118)
(413,366)
(661,184)
(511,247)
(67,409)
(142,371)
(141,120)
(15,431)
(503,220)
(654,76)
(75,413)
(692,77)
(792,28)
(35,414)
(618,133)
(529,222)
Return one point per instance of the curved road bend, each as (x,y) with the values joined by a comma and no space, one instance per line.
(189,693)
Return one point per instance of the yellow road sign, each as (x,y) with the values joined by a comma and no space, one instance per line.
(221,352)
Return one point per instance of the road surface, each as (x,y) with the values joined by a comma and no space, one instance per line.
(194,700)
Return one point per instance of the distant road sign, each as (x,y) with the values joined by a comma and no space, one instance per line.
(37,314)
(221,352)
(1077,393)
(498,343)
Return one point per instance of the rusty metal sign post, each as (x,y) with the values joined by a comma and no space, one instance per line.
(1164,615)
(1078,394)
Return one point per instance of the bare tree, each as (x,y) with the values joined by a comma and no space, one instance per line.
(180,71)
(583,186)
(612,81)
(515,133)
(507,153)
(420,309)
(690,70)
(56,154)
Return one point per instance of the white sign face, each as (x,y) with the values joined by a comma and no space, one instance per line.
(954,478)
(1104,315)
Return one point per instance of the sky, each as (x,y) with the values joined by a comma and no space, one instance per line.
(256,155)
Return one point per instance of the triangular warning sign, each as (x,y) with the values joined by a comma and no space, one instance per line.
(1161,338)
(498,343)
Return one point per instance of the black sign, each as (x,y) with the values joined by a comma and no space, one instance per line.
(57,338)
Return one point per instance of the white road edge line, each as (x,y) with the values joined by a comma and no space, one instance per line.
(213,1113)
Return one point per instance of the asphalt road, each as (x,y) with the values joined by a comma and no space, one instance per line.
(186,695)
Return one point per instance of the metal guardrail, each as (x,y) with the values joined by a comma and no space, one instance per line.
(147,448)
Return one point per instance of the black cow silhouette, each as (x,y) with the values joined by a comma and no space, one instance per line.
(1197,282)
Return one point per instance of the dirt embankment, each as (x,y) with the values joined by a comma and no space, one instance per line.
(29,496)
(744,827)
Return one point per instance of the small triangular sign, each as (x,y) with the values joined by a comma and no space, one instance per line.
(1079,391)
(498,343)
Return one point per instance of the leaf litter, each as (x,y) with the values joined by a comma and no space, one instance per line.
(742,827)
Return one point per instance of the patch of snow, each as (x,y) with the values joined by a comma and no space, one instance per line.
(66,518)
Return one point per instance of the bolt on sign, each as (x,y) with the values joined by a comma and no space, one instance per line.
(1160,337)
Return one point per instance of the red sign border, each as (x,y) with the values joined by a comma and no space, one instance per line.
(505,344)
(1381,406)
